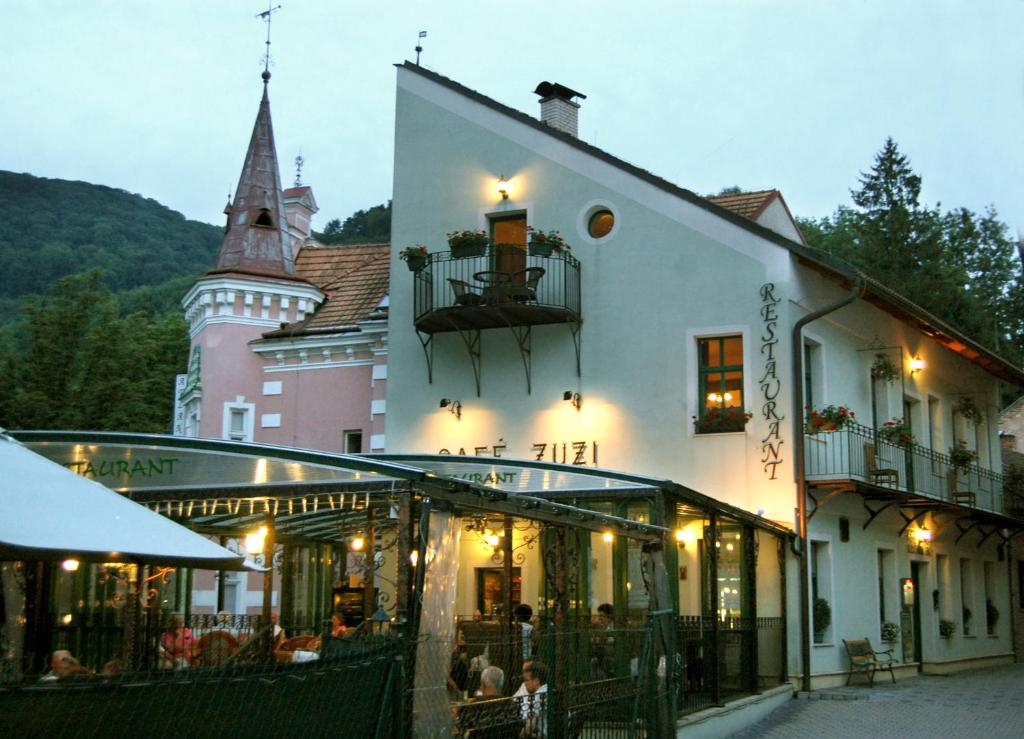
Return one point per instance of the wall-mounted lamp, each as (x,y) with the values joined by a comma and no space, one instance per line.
(414,557)
(916,364)
(608,537)
(357,543)
(254,541)
(684,537)
(575,398)
(921,540)
(454,407)
(503,187)
(70,565)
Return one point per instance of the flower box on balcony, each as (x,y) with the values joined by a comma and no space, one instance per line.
(464,244)
(543,244)
(721,421)
(896,432)
(415,256)
(829,418)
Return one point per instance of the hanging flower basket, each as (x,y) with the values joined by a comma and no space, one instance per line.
(468,243)
(961,457)
(968,410)
(883,368)
(896,432)
(415,256)
(544,243)
(829,418)
(947,628)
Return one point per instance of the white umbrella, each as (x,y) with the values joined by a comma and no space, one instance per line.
(48,512)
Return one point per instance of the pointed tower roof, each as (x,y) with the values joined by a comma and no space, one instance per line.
(257,239)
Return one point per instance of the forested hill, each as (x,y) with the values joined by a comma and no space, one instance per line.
(52,228)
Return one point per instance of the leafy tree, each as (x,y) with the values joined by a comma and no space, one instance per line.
(959,266)
(371,226)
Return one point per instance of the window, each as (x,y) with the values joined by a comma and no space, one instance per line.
(935,432)
(238,420)
(966,595)
(601,223)
(509,236)
(991,610)
(720,384)
(813,372)
(353,441)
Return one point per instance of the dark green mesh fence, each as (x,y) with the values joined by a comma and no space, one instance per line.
(353,690)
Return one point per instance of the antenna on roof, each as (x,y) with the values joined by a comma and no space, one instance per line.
(419,47)
(299,161)
(265,15)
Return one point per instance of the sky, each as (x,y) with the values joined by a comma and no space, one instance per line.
(159,98)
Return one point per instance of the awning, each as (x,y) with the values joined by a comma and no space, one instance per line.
(48,512)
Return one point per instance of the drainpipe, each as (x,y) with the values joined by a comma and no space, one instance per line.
(800,472)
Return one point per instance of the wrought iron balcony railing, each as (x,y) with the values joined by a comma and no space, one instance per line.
(856,452)
(502,287)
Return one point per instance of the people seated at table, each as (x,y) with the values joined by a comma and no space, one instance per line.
(523,614)
(63,666)
(338,627)
(532,697)
(492,681)
(602,646)
(177,645)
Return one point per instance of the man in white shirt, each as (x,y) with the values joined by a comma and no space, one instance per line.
(532,697)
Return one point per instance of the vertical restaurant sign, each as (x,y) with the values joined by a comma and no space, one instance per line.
(178,428)
(771,445)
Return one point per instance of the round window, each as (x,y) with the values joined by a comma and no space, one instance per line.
(601,223)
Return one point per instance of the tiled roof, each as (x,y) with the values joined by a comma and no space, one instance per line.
(355,280)
(295,192)
(839,270)
(747,204)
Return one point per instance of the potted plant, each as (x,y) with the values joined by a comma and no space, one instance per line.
(961,457)
(415,256)
(721,420)
(468,243)
(896,432)
(822,619)
(829,418)
(883,368)
(991,616)
(968,410)
(543,243)
(947,628)
(890,632)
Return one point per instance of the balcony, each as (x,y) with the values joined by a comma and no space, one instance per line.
(855,455)
(503,287)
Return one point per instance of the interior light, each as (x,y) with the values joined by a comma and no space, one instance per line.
(254,541)
(492,539)
(681,536)
(608,537)
(414,557)
(729,547)
(70,565)
(358,542)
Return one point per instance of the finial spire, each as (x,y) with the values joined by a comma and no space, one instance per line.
(299,161)
(265,15)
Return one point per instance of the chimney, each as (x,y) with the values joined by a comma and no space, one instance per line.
(557,108)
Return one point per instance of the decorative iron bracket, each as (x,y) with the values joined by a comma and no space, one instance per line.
(909,520)
(819,503)
(875,513)
(575,328)
(471,338)
(986,536)
(965,531)
(428,353)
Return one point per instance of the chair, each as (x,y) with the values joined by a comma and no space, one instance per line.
(963,497)
(876,474)
(214,649)
(523,287)
(863,658)
(464,293)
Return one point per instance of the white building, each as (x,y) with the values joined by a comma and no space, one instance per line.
(670,311)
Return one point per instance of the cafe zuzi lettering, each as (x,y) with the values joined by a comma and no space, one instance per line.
(771,445)
(579,453)
(120,468)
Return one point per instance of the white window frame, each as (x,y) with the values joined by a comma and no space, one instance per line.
(248,421)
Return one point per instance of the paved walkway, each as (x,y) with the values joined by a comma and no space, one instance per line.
(969,704)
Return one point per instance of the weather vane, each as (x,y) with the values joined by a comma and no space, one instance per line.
(265,15)
(419,47)
(299,161)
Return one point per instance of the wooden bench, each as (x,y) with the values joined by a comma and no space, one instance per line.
(865,659)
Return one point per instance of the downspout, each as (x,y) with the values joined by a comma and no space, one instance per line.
(801,473)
